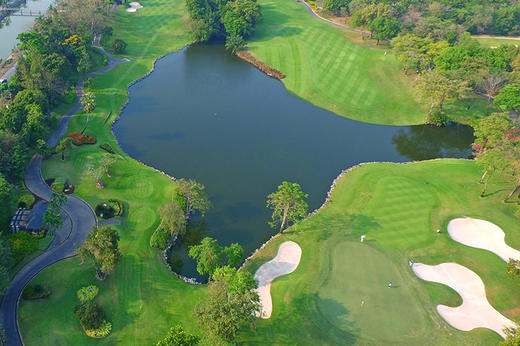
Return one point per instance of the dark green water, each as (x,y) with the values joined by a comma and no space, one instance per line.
(207,115)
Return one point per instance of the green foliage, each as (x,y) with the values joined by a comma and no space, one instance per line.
(288,204)
(22,244)
(178,337)
(101,332)
(90,315)
(159,238)
(513,268)
(87,293)
(35,292)
(384,28)
(193,195)
(52,217)
(512,336)
(118,46)
(438,119)
(26,200)
(208,256)
(234,254)
(509,97)
(57,186)
(101,247)
(88,101)
(335,6)
(172,218)
(233,20)
(232,303)
(117,205)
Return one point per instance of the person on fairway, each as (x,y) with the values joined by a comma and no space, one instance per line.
(390,284)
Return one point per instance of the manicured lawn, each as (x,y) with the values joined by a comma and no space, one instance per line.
(338,294)
(142,298)
(324,66)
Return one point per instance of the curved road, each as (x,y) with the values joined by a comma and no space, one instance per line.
(80,219)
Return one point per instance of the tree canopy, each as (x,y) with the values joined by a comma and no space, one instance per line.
(288,204)
(101,247)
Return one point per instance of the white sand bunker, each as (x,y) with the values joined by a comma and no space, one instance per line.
(483,235)
(475,311)
(285,262)
(134,6)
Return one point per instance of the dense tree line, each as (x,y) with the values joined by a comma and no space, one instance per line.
(229,20)
(436,19)
(53,55)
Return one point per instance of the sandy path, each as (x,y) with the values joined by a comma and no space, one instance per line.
(475,311)
(285,262)
(481,234)
(134,6)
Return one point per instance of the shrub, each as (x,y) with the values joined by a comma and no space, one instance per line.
(117,205)
(87,293)
(438,119)
(26,201)
(513,268)
(118,46)
(107,147)
(36,292)
(104,211)
(101,332)
(159,239)
(58,186)
(90,315)
(22,243)
(80,138)
(69,187)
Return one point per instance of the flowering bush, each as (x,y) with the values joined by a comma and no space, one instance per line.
(80,138)
(100,332)
(87,293)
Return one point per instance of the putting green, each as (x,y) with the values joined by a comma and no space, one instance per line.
(355,296)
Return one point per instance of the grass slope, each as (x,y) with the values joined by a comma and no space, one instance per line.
(142,298)
(338,294)
(323,66)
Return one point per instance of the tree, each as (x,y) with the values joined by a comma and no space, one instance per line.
(493,162)
(232,303)
(63,146)
(492,83)
(88,101)
(6,195)
(234,254)
(384,28)
(436,88)
(208,256)
(5,262)
(288,204)
(107,161)
(178,337)
(512,336)
(90,315)
(52,217)
(509,97)
(191,196)
(101,247)
(512,168)
(172,218)
(118,46)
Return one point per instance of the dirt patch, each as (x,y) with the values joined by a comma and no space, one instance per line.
(260,65)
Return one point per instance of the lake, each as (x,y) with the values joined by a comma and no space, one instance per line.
(207,115)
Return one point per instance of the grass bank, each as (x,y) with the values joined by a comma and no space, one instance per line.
(338,293)
(142,298)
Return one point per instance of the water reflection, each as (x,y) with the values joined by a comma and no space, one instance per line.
(207,115)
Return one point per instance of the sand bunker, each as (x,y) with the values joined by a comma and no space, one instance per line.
(475,311)
(134,6)
(285,262)
(483,235)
